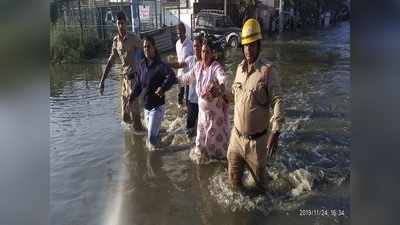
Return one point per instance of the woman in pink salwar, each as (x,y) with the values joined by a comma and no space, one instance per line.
(212,125)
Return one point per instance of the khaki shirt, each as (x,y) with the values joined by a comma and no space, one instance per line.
(258,100)
(125,48)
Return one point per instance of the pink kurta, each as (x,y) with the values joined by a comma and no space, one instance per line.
(212,124)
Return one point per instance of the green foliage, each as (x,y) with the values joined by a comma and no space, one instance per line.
(93,47)
(310,10)
(247,8)
(66,47)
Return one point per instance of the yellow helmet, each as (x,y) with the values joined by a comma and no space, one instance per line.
(251,32)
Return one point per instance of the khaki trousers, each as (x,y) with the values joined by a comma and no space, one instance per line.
(246,152)
(130,110)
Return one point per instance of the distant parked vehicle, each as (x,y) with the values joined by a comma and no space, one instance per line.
(215,23)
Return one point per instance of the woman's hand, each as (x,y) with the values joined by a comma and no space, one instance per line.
(159,92)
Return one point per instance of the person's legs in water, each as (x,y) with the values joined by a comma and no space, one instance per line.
(236,165)
(181,95)
(236,162)
(256,161)
(193,110)
(130,107)
(154,118)
(127,117)
(135,109)
(137,123)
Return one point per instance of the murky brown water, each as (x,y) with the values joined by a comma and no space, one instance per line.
(100,173)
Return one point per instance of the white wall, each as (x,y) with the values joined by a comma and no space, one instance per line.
(171,17)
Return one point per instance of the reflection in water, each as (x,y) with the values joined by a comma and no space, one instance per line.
(141,172)
(204,207)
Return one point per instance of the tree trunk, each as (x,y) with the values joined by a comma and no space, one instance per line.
(80,20)
(281,16)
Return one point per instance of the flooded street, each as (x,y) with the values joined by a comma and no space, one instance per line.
(103,174)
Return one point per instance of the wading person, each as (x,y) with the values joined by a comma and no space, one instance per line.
(212,126)
(258,111)
(183,50)
(125,46)
(192,107)
(154,79)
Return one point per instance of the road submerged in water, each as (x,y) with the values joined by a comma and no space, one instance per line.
(101,173)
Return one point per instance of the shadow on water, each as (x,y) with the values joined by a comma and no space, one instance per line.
(143,173)
(101,173)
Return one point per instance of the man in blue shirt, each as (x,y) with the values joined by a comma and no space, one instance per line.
(155,78)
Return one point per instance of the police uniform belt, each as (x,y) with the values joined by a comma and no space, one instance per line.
(252,136)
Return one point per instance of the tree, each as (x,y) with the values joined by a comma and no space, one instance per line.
(54,9)
(247,9)
(310,10)
(80,19)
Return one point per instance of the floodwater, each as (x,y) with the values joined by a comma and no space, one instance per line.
(103,174)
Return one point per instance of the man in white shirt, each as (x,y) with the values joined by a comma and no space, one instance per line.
(183,50)
(192,105)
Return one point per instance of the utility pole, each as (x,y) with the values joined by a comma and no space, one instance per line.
(155,12)
(281,4)
(80,20)
(179,11)
(135,16)
(225,7)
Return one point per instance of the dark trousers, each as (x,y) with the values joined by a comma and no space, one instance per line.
(193,111)
(183,94)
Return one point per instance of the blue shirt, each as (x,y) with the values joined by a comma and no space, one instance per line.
(150,78)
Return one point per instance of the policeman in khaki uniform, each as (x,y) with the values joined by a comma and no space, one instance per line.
(124,46)
(258,111)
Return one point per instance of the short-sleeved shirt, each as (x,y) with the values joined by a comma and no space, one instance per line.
(208,80)
(190,62)
(183,50)
(124,48)
(258,98)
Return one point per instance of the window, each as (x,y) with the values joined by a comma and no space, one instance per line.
(201,21)
(205,21)
(219,22)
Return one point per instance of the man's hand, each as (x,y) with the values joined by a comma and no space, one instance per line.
(272,144)
(159,92)
(101,87)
